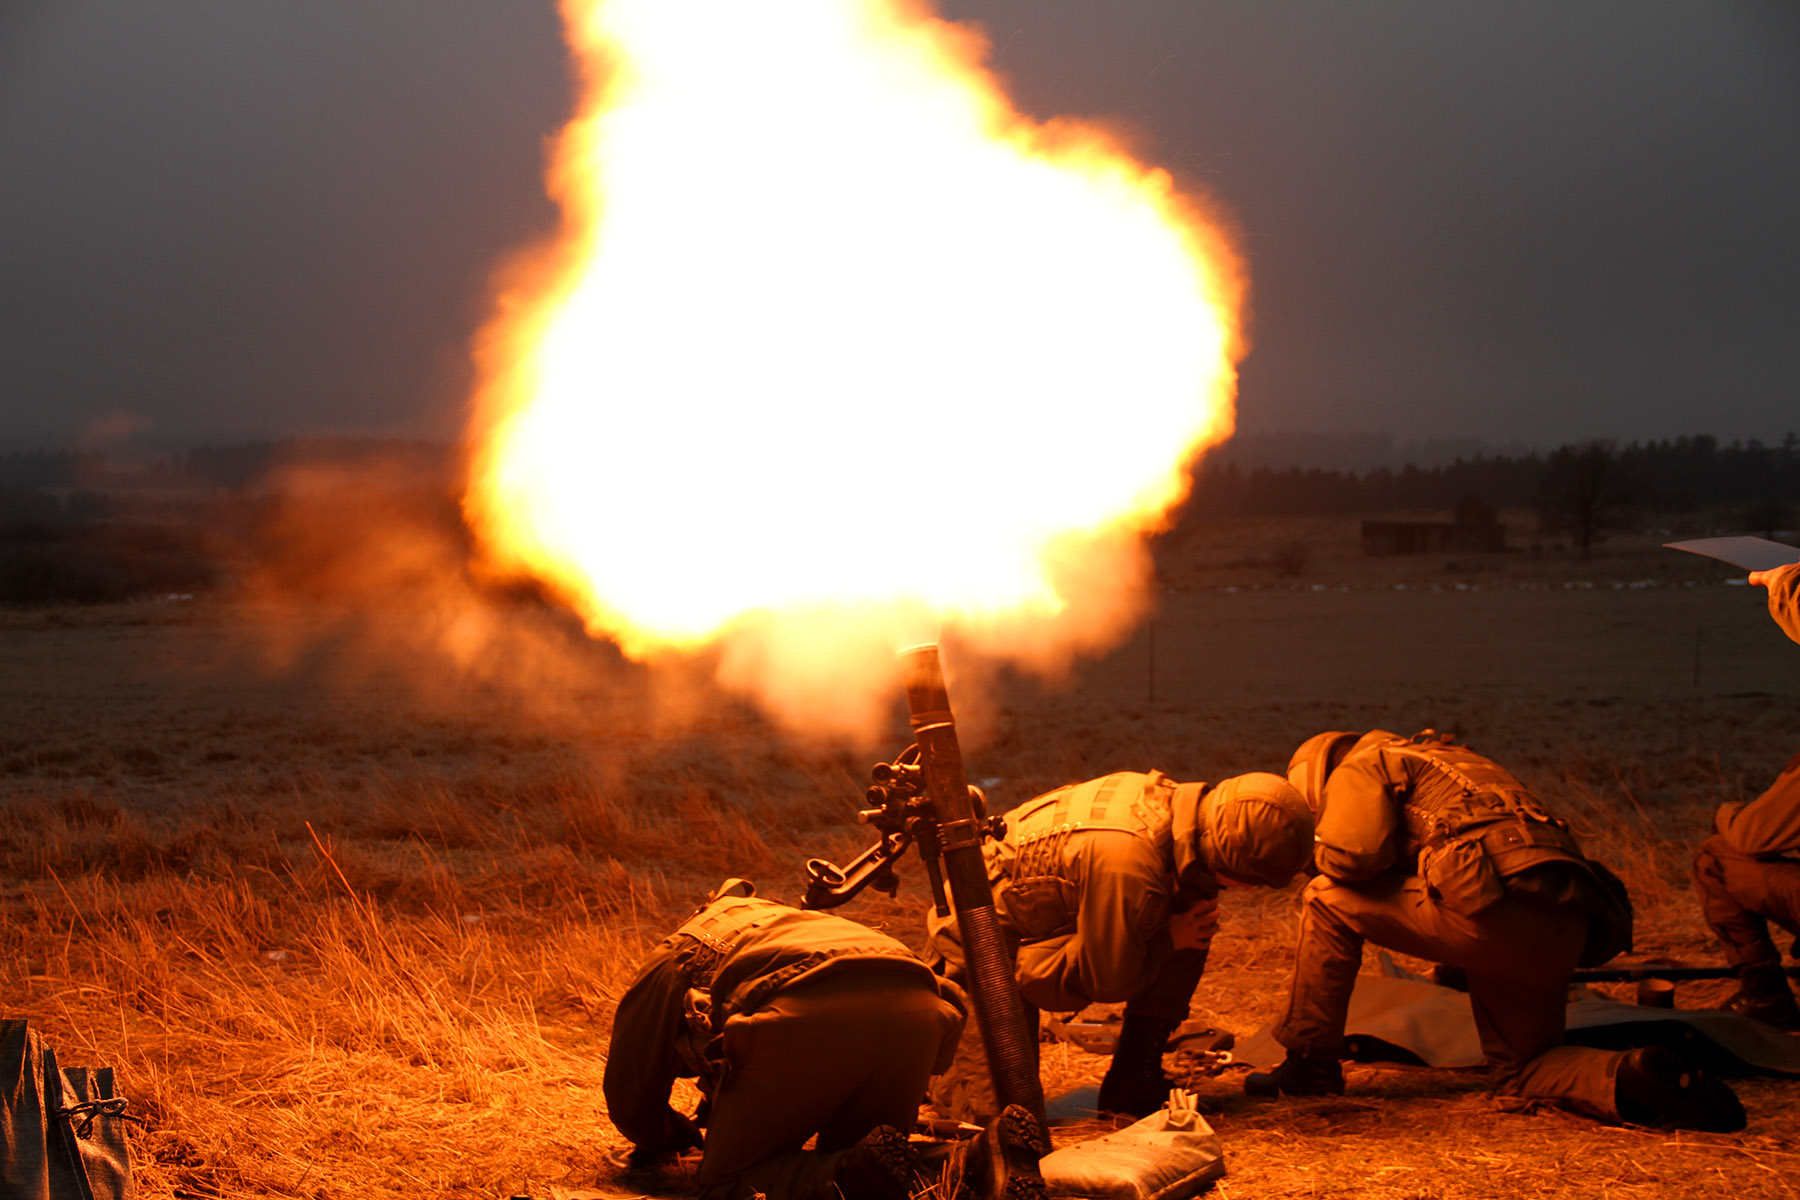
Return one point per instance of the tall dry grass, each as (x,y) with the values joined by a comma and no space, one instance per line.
(410,995)
(360,933)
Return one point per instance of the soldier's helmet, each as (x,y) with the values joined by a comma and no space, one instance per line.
(1317,757)
(1255,829)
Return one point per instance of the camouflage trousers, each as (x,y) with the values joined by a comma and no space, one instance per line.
(834,1058)
(1519,956)
(1741,896)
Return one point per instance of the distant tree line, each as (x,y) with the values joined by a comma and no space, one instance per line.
(1594,478)
(86,486)
(84,528)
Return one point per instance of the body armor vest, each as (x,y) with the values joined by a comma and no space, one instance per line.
(1460,796)
(1030,867)
(1474,826)
(715,929)
(1125,802)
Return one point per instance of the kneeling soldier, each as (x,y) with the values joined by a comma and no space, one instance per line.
(796,1023)
(1430,849)
(1106,891)
(1748,872)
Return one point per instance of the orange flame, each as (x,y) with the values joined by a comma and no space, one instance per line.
(835,349)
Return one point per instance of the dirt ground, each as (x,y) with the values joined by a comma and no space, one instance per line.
(351,922)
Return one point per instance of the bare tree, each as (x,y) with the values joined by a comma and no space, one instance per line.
(1586,486)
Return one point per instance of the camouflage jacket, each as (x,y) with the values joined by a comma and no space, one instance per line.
(1768,826)
(1083,880)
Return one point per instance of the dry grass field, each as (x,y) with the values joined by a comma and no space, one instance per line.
(345,882)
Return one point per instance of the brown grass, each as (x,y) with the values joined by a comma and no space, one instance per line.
(357,928)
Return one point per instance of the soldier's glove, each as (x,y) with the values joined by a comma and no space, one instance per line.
(685,1134)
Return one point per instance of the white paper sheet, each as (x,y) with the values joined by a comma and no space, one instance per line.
(1750,553)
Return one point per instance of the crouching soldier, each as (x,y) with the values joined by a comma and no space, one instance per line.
(796,1023)
(1430,849)
(1106,891)
(1748,872)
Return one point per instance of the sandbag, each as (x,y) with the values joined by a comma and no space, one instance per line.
(1169,1155)
(62,1129)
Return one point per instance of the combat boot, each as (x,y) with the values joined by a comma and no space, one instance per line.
(1135,1083)
(1299,1075)
(1763,993)
(1002,1163)
(1655,1087)
(884,1165)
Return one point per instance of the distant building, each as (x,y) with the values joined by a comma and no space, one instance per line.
(1476,530)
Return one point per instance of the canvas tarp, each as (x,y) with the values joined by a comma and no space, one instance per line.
(1397,1017)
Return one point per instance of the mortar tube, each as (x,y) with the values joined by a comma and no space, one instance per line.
(1000,1012)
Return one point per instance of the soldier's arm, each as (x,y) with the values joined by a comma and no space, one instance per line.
(1357,834)
(1121,930)
(1770,824)
(642,1059)
(1784,596)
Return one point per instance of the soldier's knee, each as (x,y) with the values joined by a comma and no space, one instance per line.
(1710,877)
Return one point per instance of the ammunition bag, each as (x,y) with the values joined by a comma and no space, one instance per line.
(1169,1155)
(64,1131)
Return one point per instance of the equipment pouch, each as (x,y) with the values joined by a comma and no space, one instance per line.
(1461,876)
(1039,907)
(697,1046)
(1609,916)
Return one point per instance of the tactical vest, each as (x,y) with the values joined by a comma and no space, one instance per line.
(1029,869)
(1470,825)
(705,941)
(1474,826)
(715,929)
(1125,801)
(1460,795)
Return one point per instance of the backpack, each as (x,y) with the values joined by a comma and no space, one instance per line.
(62,1129)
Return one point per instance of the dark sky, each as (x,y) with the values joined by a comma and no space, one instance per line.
(1529,220)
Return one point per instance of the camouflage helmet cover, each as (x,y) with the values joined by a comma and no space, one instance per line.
(1255,829)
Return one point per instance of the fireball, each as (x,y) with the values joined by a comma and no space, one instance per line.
(834,349)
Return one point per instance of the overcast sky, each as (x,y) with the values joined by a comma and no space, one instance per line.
(1530,220)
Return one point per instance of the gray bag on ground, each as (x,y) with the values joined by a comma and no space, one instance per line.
(62,1130)
(1169,1155)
